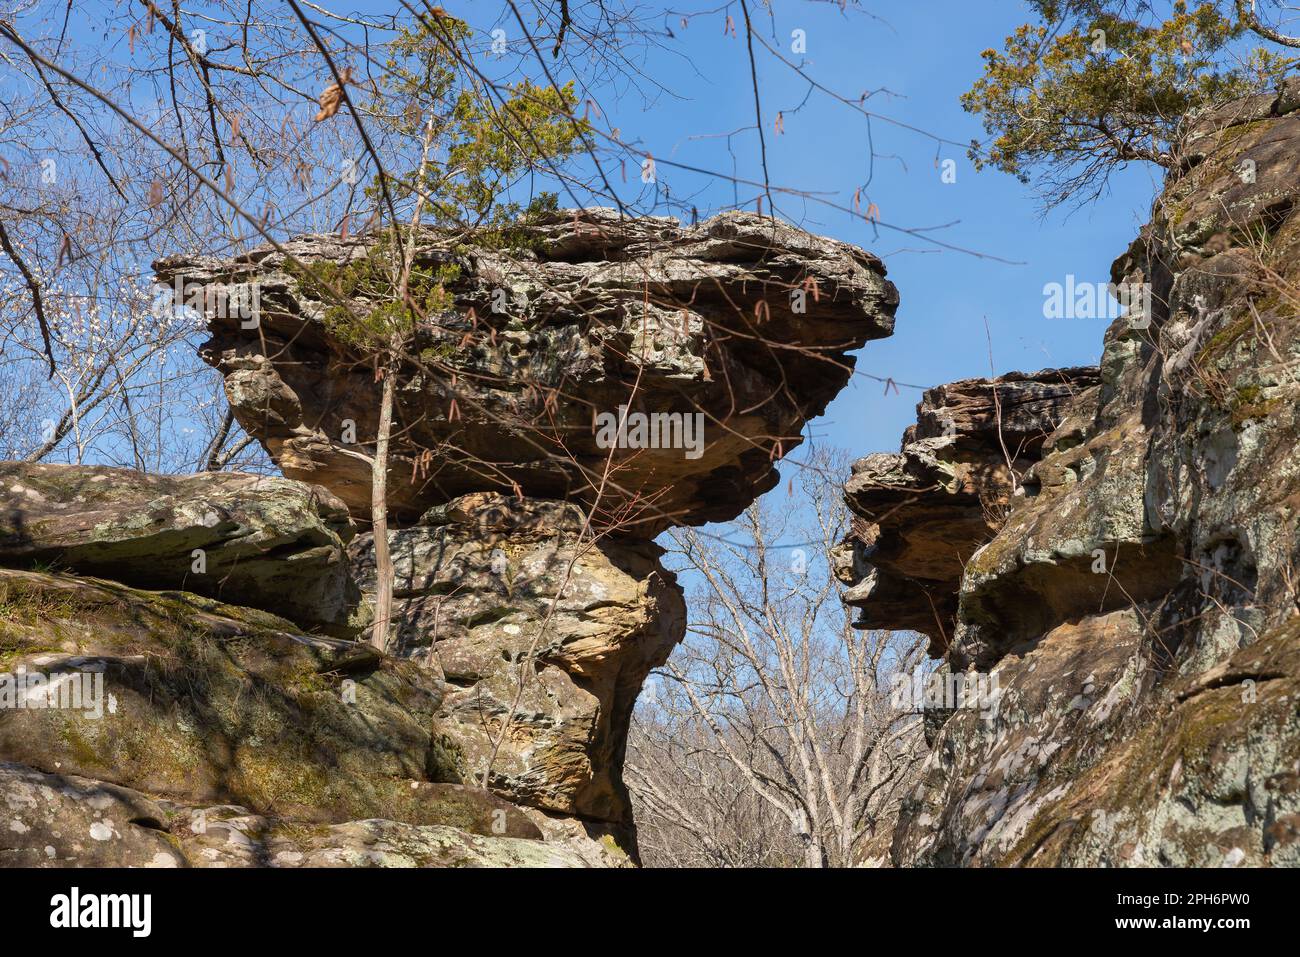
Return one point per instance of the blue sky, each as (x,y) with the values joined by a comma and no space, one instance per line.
(928,54)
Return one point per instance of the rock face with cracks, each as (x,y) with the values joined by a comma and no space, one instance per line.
(1137,603)
(255,540)
(921,513)
(184,676)
(740,320)
(487,586)
(164,729)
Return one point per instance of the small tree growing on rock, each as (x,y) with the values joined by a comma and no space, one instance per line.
(1098,83)
(473,143)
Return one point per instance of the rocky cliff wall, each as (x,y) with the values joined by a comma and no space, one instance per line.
(922,512)
(1137,599)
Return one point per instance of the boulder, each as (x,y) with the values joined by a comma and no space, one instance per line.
(56,820)
(255,540)
(62,820)
(740,323)
(186,697)
(147,728)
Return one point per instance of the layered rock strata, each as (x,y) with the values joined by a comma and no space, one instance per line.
(254,540)
(740,320)
(222,718)
(922,512)
(163,729)
(544,638)
(1138,606)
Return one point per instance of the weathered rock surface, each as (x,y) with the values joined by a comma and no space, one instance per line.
(924,510)
(265,542)
(233,725)
(218,703)
(223,736)
(1139,606)
(743,320)
(59,820)
(543,628)
(544,638)
(524,618)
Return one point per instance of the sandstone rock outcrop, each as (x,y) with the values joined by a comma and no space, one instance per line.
(240,727)
(68,821)
(523,643)
(923,511)
(260,541)
(1139,606)
(486,583)
(164,729)
(742,320)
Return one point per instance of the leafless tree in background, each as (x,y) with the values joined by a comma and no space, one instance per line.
(204,127)
(135,128)
(769,738)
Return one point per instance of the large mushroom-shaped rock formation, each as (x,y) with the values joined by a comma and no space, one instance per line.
(1139,605)
(197,703)
(741,320)
(736,331)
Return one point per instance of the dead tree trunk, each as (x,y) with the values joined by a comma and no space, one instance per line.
(379,635)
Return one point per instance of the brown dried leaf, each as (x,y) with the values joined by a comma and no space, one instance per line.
(332,97)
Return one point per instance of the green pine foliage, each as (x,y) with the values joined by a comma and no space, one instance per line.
(1098,83)
(484,141)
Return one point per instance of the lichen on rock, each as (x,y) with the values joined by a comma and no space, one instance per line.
(1138,600)
(740,319)
(248,722)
